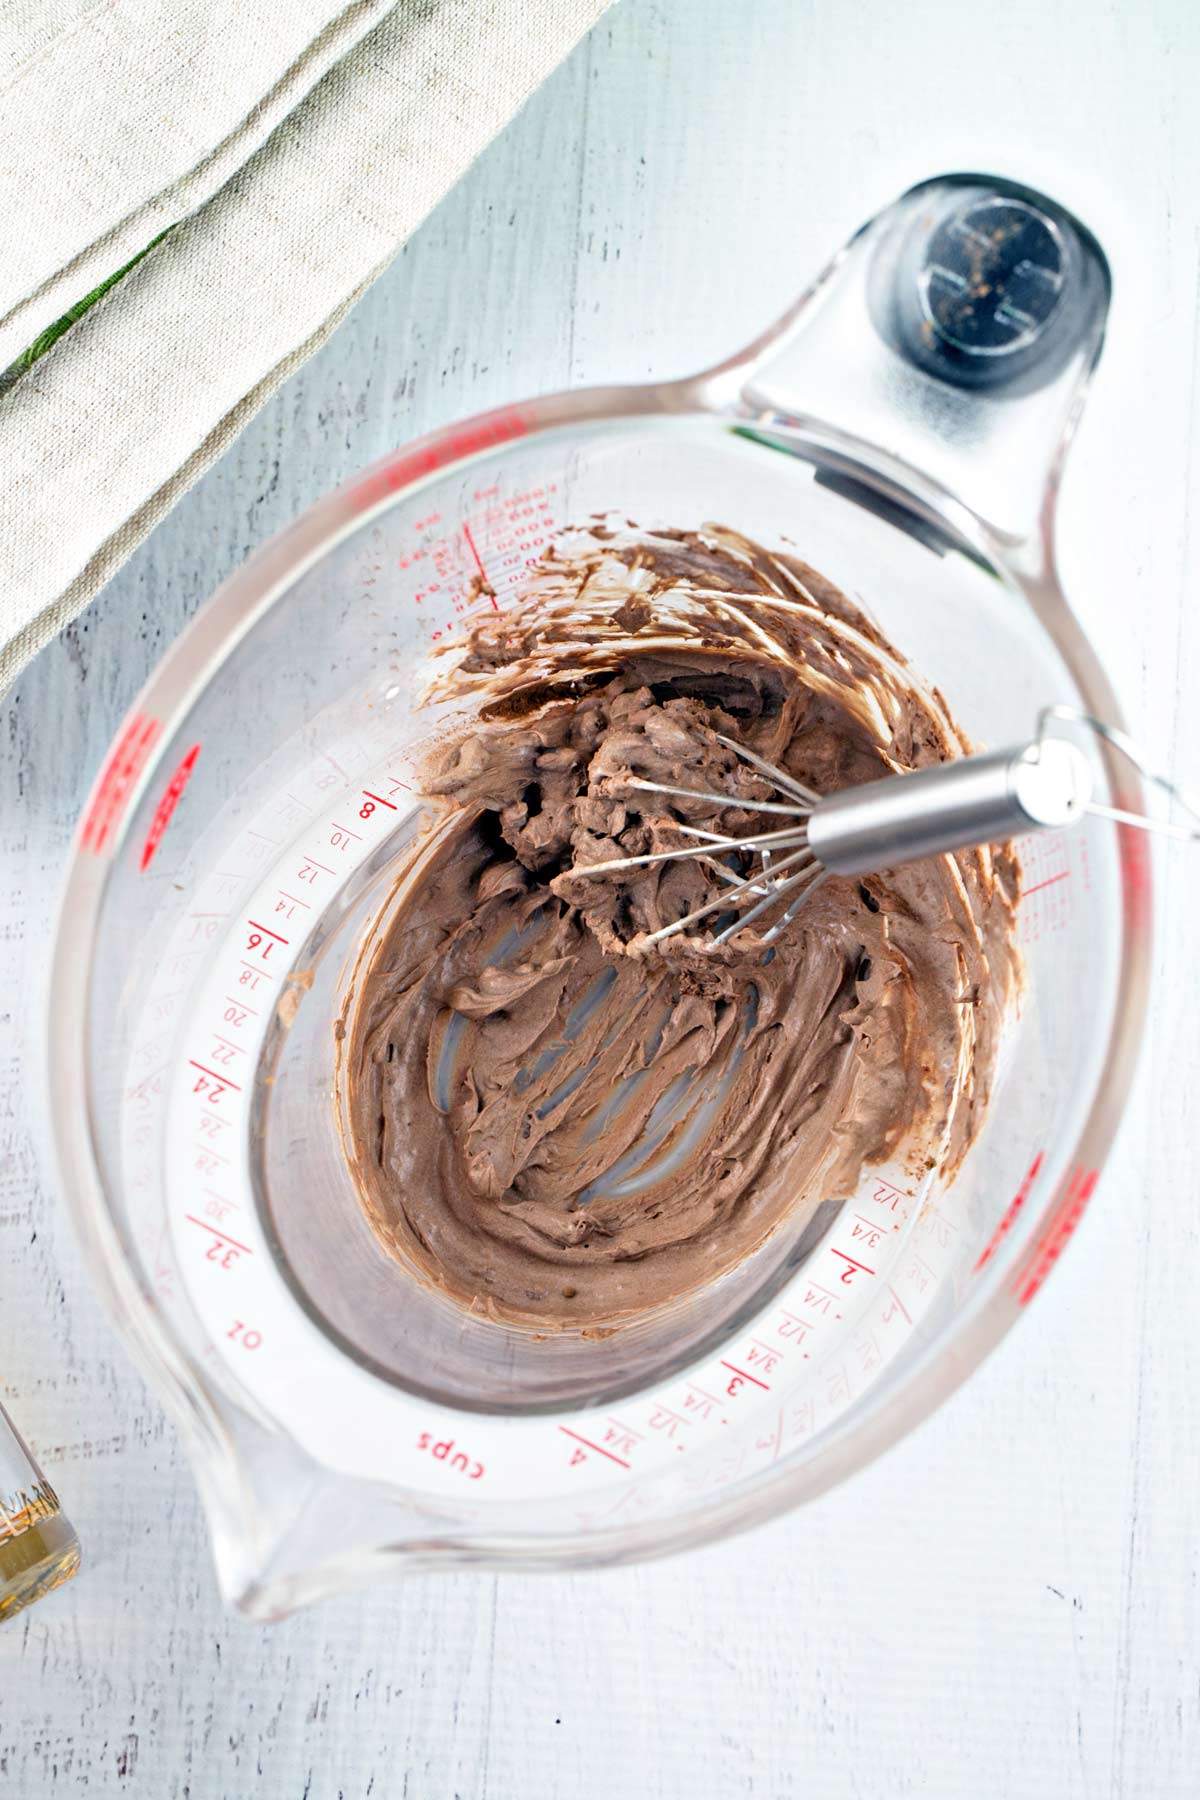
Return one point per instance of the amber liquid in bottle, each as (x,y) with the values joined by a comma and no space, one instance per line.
(38,1546)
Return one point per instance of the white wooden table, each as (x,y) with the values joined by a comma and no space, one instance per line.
(1005,1606)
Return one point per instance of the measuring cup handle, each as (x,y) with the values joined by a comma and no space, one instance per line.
(946,348)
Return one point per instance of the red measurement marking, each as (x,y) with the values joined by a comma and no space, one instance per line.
(1135,873)
(324,867)
(203,1149)
(167,805)
(435,451)
(1049,882)
(887,1195)
(223,1235)
(774,1442)
(483,576)
(256,970)
(139,1091)
(380,801)
(116,779)
(241,1004)
(845,1274)
(1057,1235)
(627,1429)
(1014,1206)
(221,1080)
(703,1393)
(734,1370)
(255,926)
(587,1442)
(292,899)
(899,1302)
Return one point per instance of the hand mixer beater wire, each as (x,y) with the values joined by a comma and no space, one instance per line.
(970,801)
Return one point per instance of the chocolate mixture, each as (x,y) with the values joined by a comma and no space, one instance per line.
(553,1122)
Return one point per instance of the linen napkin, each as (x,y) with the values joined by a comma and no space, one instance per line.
(286,151)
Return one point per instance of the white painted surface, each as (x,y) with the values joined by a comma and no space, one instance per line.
(1005,1606)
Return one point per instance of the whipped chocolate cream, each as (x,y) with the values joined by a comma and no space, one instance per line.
(561,1126)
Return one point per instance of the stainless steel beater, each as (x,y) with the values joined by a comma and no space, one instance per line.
(970,801)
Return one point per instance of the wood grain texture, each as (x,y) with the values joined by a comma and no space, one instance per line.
(1007,1604)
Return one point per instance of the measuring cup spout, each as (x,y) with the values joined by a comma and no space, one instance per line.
(945,350)
(263,1498)
(286,1531)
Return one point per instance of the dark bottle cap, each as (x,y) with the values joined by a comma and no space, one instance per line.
(990,286)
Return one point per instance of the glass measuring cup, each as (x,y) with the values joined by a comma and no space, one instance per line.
(903,427)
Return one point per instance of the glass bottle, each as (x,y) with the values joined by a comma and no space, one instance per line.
(38,1546)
